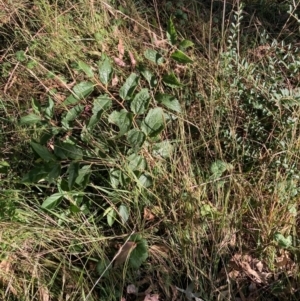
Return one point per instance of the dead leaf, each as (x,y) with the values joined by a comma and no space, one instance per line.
(114,81)
(44,293)
(132,59)
(121,49)
(124,252)
(148,215)
(119,62)
(259,266)
(132,289)
(154,297)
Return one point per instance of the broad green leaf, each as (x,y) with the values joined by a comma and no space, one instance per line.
(124,213)
(38,173)
(136,162)
(54,172)
(80,91)
(86,68)
(145,180)
(43,152)
(110,214)
(148,75)
(4,166)
(153,56)
(30,119)
(217,168)
(52,201)
(140,102)
(83,176)
(282,241)
(154,122)
(169,101)
(72,115)
(122,119)
(183,45)
(115,175)
(140,253)
(36,106)
(105,71)
(129,86)
(181,57)
(171,80)
(136,138)
(101,103)
(50,109)
(65,150)
(171,32)
(73,171)
(163,149)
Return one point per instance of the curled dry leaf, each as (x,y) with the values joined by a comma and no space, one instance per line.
(154,297)
(148,215)
(132,59)
(114,81)
(124,252)
(44,293)
(132,289)
(119,62)
(121,49)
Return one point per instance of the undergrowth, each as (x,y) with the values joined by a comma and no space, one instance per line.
(149,150)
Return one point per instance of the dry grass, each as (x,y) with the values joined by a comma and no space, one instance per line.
(217,231)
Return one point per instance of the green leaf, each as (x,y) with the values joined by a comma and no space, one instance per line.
(145,180)
(122,119)
(38,173)
(181,57)
(50,109)
(169,101)
(171,80)
(154,122)
(148,75)
(43,152)
(72,115)
(65,150)
(73,172)
(163,149)
(282,241)
(4,166)
(218,168)
(30,119)
(153,56)
(80,91)
(101,103)
(183,45)
(83,176)
(140,253)
(105,71)
(85,68)
(114,176)
(129,86)
(171,32)
(54,172)
(136,162)
(136,138)
(52,201)
(140,102)
(110,214)
(36,106)
(124,213)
